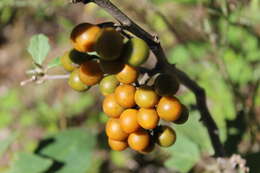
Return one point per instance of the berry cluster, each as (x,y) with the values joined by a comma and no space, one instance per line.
(134,111)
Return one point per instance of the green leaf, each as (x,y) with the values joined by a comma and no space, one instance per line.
(39,48)
(256,74)
(198,136)
(10,101)
(253,55)
(238,69)
(179,55)
(118,158)
(54,63)
(77,105)
(185,154)
(6,118)
(4,144)
(233,34)
(29,163)
(6,14)
(74,148)
(198,49)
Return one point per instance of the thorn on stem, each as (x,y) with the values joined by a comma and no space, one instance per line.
(156,38)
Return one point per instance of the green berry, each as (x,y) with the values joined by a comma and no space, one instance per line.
(135,52)
(75,82)
(166,136)
(108,84)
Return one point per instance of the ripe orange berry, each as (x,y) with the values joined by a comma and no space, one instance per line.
(111,107)
(184,116)
(90,73)
(169,108)
(125,95)
(139,140)
(146,97)
(127,75)
(128,121)
(117,145)
(166,136)
(114,130)
(84,37)
(147,118)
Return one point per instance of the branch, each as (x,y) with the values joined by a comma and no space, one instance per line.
(162,62)
(41,79)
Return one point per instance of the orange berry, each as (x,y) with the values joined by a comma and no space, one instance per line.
(147,118)
(169,108)
(146,97)
(183,117)
(128,121)
(117,145)
(125,95)
(114,130)
(127,75)
(111,107)
(90,73)
(139,140)
(84,37)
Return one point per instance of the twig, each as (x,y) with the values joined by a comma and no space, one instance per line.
(162,62)
(30,80)
(54,77)
(41,79)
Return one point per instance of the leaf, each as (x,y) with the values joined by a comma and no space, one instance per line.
(238,69)
(118,158)
(79,104)
(5,118)
(179,55)
(4,144)
(199,136)
(198,49)
(29,163)
(72,147)
(185,154)
(54,63)
(6,14)
(10,101)
(39,48)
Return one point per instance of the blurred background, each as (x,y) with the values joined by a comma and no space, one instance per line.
(51,128)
